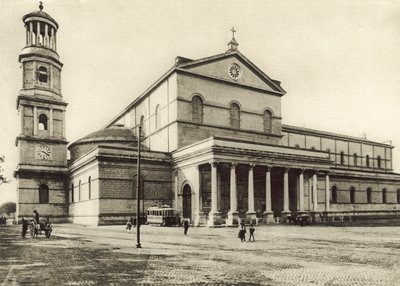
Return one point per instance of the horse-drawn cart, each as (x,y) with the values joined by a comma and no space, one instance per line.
(34,229)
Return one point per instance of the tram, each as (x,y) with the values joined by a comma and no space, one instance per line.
(163,216)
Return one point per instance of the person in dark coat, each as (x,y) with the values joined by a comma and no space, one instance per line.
(36,216)
(24,224)
(252,229)
(242,232)
(185,225)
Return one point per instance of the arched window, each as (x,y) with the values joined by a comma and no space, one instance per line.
(79,191)
(342,158)
(352,195)
(355,159)
(398,196)
(384,196)
(334,195)
(72,194)
(367,161)
(379,162)
(43,194)
(267,121)
(42,122)
(42,74)
(90,187)
(197,109)
(369,195)
(235,116)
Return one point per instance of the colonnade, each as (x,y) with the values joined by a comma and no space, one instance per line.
(34,35)
(268,214)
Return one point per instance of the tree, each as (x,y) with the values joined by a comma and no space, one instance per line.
(8,208)
(3,179)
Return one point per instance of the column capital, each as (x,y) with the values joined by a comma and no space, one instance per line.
(302,170)
(213,163)
(251,166)
(286,169)
(269,168)
(233,165)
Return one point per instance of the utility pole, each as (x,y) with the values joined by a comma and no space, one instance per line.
(138,245)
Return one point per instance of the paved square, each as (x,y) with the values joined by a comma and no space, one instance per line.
(281,255)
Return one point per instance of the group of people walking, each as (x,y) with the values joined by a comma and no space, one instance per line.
(242,232)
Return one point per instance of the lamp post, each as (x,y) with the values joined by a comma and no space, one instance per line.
(138,245)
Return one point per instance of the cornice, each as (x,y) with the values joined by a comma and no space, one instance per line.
(228,82)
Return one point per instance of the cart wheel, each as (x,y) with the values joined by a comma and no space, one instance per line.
(31,231)
(47,233)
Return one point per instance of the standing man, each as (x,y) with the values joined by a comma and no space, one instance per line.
(36,216)
(185,225)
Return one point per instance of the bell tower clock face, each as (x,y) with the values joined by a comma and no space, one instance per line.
(44,152)
(234,71)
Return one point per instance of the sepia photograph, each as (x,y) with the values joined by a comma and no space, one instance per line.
(200,142)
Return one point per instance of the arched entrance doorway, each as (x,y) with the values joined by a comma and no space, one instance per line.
(187,202)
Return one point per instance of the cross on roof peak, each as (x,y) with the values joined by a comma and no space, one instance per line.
(233,32)
(233,44)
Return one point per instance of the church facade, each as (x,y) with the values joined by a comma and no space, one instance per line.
(214,148)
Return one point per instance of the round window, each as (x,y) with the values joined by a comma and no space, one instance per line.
(234,71)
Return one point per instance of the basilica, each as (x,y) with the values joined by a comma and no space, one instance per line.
(214,147)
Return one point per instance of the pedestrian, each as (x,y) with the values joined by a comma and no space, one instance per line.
(242,231)
(24,224)
(129,223)
(185,225)
(252,229)
(36,216)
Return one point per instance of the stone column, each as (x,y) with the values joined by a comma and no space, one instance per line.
(51,77)
(63,124)
(233,215)
(55,40)
(51,123)
(46,35)
(310,195)
(22,116)
(176,191)
(219,187)
(31,36)
(214,215)
(301,191)
(198,216)
(268,214)
(315,192)
(35,121)
(27,35)
(38,34)
(327,195)
(250,189)
(52,38)
(286,192)
(251,214)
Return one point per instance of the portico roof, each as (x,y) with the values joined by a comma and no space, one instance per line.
(230,150)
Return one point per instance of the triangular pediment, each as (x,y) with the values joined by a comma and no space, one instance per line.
(235,68)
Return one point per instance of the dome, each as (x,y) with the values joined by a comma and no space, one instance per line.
(116,135)
(39,14)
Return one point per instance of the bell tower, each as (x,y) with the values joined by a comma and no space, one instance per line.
(42,169)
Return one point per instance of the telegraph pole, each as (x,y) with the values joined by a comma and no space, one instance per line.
(138,245)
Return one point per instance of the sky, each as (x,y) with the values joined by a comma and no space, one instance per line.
(338,60)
